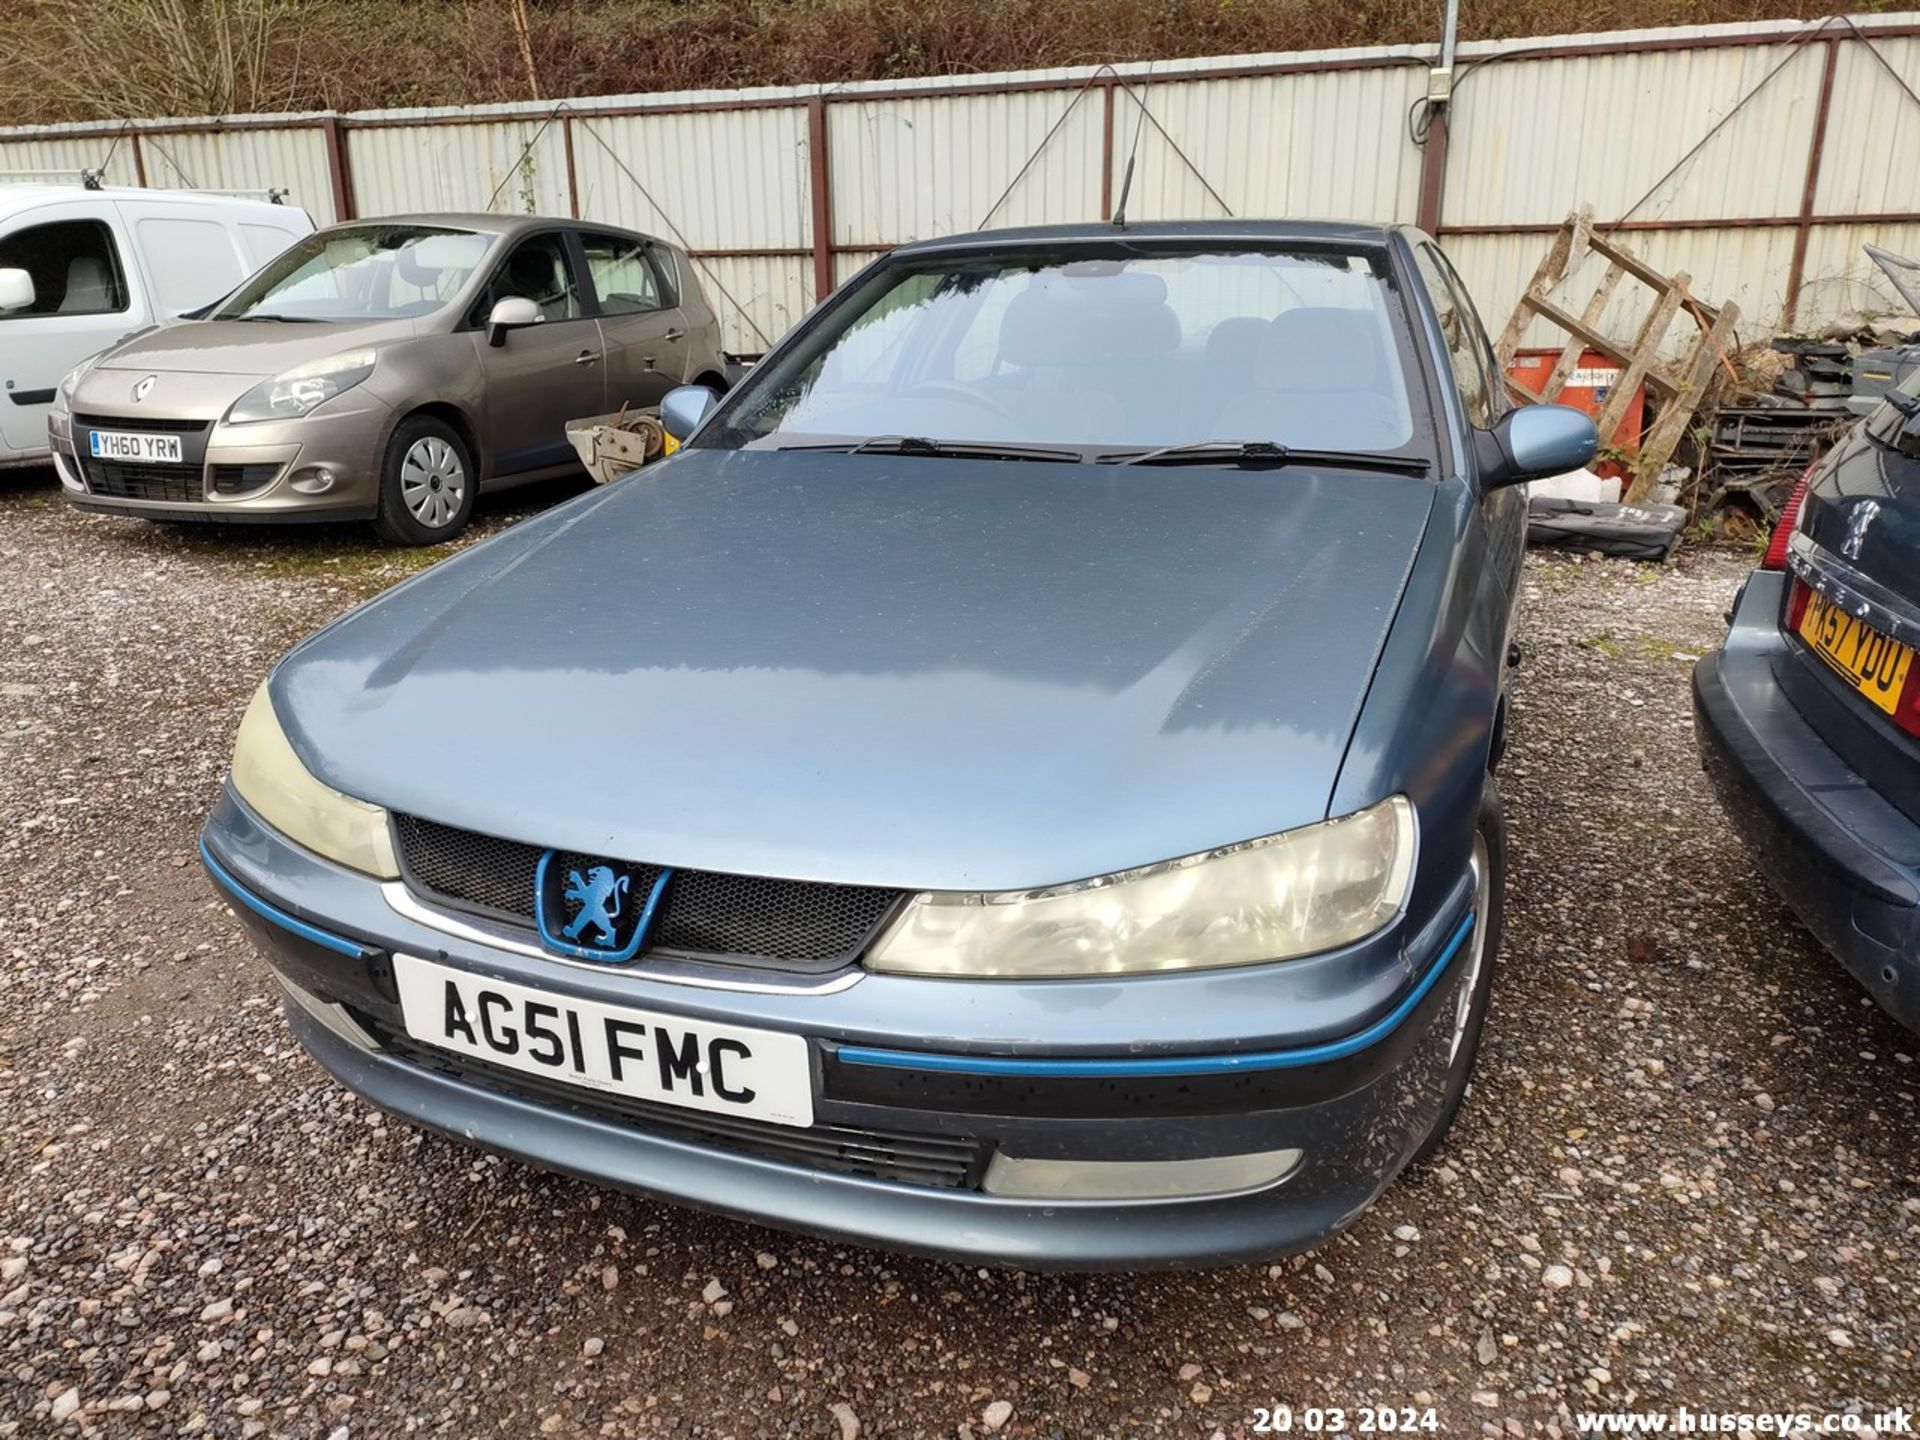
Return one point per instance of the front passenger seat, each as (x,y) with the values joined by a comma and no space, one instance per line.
(535,275)
(90,287)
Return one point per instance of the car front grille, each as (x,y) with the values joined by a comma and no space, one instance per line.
(176,483)
(153,425)
(738,919)
(942,1161)
(241,479)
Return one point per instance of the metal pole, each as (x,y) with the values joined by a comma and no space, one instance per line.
(573,174)
(339,168)
(1433,160)
(1106,149)
(820,188)
(1816,148)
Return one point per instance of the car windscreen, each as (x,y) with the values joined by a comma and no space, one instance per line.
(361,272)
(1304,348)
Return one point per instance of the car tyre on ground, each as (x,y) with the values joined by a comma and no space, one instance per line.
(428,482)
(1469,1015)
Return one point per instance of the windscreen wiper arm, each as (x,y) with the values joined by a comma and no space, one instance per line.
(944,449)
(1266,455)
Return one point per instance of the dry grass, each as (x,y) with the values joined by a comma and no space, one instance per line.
(109,59)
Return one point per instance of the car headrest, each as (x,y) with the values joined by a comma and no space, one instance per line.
(407,265)
(1324,348)
(1070,323)
(89,285)
(1241,342)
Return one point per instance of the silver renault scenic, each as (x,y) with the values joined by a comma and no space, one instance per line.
(386,370)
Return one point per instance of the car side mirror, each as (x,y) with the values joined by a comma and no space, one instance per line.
(684,407)
(16,289)
(1534,442)
(515,312)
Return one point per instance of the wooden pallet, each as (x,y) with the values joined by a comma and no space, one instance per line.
(1677,388)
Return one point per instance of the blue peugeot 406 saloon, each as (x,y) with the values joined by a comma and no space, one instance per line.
(1017,785)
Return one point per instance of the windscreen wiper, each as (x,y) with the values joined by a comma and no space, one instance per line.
(1266,455)
(944,449)
(283,319)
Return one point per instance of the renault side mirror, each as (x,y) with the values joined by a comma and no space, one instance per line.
(16,290)
(684,407)
(1534,442)
(515,312)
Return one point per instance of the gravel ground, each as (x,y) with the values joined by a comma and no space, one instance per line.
(1686,1174)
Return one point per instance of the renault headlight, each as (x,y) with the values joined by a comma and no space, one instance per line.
(293,393)
(282,792)
(74,376)
(1276,898)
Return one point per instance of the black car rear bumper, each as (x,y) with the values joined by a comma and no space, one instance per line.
(1846,860)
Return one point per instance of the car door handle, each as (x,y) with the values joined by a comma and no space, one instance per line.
(586,357)
(676,333)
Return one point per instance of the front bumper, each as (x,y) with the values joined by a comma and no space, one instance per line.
(263,472)
(1066,1070)
(1844,858)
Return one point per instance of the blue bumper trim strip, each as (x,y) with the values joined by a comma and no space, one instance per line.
(1173,1064)
(278,916)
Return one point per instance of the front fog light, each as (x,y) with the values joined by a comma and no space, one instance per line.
(282,792)
(313,480)
(1015,1178)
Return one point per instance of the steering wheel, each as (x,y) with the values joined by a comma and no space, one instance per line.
(950,390)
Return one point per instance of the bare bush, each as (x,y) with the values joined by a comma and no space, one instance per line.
(115,58)
(92,59)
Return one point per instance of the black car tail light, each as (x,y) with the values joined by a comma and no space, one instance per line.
(1776,556)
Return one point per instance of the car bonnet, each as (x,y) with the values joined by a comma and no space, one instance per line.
(897,671)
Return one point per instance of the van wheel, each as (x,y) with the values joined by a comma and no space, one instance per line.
(427,483)
(1467,1017)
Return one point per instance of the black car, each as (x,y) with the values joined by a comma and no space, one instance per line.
(1809,717)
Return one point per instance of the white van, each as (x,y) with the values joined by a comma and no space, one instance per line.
(82,269)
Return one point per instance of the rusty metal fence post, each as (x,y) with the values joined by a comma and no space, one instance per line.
(1803,232)
(339,167)
(820,192)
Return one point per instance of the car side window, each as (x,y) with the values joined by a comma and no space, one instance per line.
(75,267)
(1460,330)
(623,275)
(539,269)
(1497,400)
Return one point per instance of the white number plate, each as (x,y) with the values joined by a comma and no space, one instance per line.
(727,1069)
(128,445)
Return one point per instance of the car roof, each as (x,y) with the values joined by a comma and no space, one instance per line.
(15,195)
(486,224)
(1184,231)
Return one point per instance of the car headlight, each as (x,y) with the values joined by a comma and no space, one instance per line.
(281,791)
(1277,898)
(293,393)
(74,376)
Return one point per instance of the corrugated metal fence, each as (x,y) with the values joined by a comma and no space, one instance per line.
(1756,158)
